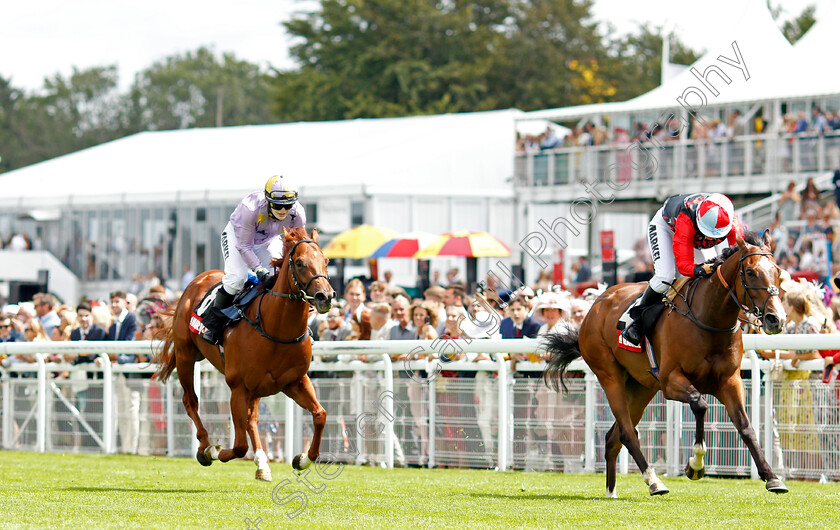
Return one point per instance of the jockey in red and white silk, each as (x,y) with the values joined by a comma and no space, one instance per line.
(688,230)
(692,222)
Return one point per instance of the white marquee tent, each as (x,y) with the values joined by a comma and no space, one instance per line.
(451,154)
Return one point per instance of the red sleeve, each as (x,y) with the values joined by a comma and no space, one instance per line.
(736,229)
(684,245)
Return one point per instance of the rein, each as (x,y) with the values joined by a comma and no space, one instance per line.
(755,312)
(301,295)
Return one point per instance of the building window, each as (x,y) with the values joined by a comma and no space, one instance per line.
(357,213)
(311,211)
(201,214)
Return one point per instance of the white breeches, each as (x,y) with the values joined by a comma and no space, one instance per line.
(661,244)
(236,270)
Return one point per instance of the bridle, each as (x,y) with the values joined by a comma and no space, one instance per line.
(303,292)
(301,295)
(756,312)
(772,290)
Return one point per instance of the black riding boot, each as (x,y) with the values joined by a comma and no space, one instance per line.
(214,320)
(633,333)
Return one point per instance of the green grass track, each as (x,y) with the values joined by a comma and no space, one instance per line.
(91,491)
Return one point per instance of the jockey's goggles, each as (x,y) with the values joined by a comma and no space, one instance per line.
(278,198)
(281,206)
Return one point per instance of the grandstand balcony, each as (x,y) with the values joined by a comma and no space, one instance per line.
(744,165)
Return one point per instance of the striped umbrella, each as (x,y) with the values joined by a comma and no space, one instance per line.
(469,244)
(358,243)
(404,245)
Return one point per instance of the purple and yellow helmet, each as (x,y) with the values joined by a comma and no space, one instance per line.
(279,192)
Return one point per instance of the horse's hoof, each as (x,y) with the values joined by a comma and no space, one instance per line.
(694,474)
(776,486)
(658,488)
(296,463)
(263,474)
(202,458)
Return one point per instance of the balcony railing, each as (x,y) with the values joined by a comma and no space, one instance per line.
(743,156)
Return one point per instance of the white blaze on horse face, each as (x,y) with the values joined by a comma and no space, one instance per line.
(767,265)
(774,305)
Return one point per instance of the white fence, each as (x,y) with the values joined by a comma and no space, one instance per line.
(458,414)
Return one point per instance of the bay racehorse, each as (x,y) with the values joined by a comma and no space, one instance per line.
(266,352)
(697,347)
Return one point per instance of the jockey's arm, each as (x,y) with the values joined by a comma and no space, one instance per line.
(244,222)
(737,229)
(684,245)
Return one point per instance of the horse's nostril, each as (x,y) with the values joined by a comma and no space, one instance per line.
(771,320)
(321,297)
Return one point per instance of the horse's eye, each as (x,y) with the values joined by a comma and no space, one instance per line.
(299,263)
(751,273)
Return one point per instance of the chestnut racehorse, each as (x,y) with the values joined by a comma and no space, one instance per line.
(266,352)
(697,347)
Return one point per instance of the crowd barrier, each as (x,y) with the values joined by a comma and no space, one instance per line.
(420,412)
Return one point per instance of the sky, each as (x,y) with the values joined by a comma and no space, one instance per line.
(41,38)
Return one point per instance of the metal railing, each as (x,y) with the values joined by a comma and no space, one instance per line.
(459,414)
(744,160)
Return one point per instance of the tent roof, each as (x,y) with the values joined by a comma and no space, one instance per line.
(451,154)
(777,70)
(809,73)
(762,46)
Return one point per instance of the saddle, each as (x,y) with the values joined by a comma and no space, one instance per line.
(234,313)
(647,316)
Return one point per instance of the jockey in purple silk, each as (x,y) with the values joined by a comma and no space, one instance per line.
(250,241)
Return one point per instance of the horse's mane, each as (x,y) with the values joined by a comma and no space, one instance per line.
(293,235)
(753,238)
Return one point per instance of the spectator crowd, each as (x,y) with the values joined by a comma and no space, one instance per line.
(379,310)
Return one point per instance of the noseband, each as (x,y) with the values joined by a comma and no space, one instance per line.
(772,290)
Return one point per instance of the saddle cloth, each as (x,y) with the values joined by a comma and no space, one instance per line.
(648,317)
(234,312)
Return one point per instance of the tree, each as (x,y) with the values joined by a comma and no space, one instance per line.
(378,58)
(636,61)
(383,58)
(67,115)
(795,28)
(198,90)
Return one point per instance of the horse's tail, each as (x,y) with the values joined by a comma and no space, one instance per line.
(166,358)
(564,348)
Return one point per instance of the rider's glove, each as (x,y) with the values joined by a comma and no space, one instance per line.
(704,270)
(261,273)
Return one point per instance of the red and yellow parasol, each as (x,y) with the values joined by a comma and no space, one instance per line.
(359,242)
(467,244)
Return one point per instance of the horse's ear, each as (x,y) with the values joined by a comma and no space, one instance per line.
(315,235)
(741,243)
(767,240)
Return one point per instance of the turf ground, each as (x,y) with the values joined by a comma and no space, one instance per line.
(81,491)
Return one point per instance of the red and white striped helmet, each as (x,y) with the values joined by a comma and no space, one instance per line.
(715,215)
